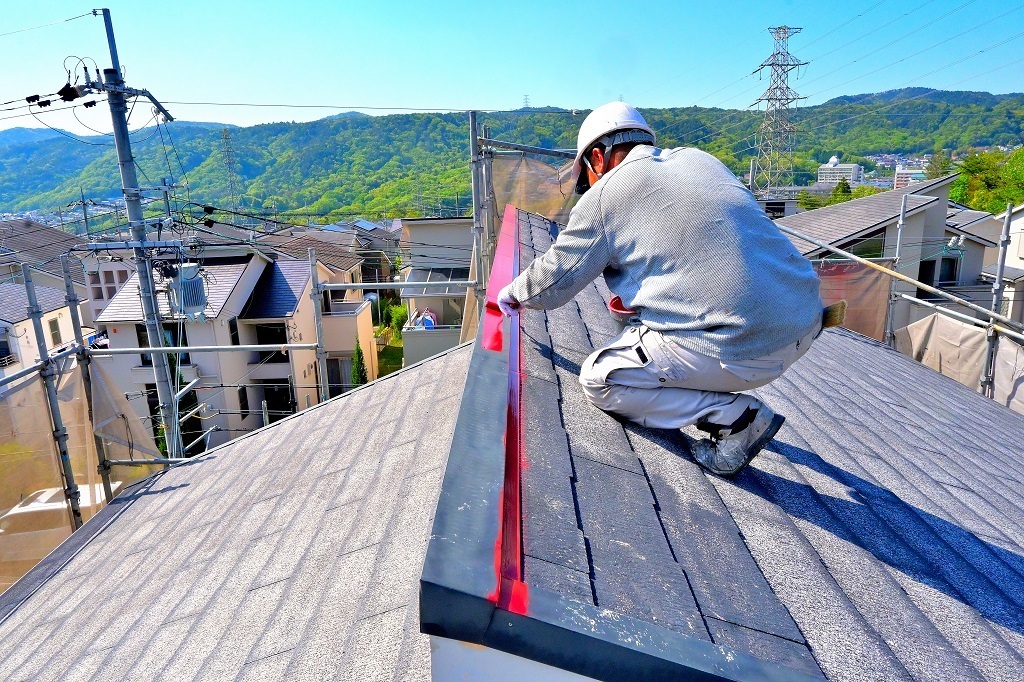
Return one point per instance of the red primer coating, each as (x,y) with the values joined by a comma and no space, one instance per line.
(510,592)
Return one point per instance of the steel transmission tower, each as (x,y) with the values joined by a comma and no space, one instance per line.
(229,164)
(774,165)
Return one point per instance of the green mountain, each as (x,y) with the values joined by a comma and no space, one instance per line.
(353,164)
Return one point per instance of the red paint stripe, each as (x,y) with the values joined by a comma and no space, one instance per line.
(510,592)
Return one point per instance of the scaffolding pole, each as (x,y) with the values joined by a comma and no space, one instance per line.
(316,293)
(988,378)
(60,434)
(890,332)
(71,298)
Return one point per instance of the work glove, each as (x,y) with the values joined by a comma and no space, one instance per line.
(507,302)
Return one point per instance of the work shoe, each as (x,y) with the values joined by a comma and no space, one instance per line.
(730,448)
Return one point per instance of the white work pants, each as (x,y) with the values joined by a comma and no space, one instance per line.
(649,379)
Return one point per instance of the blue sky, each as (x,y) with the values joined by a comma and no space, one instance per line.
(447,54)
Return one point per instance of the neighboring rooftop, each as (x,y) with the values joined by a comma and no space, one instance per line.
(220,277)
(878,537)
(840,222)
(291,553)
(40,246)
(14,301)
(331,254)
(1009,274)
(278,289)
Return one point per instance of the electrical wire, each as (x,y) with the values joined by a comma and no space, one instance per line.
(52,23)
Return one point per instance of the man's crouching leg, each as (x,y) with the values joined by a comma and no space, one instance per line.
(637,377)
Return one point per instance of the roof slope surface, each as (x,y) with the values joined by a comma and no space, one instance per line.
(290,554)
(41,246)
(219,279)
(277,291)
(879,536)
(14,301)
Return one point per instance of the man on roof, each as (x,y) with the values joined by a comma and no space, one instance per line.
(722,302)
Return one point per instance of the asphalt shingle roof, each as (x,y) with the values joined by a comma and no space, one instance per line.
(291,553)
(220,280)
(41,246)
(327,252)
(1009,274)
(14,301)
(878,537)
(277,292)
(838,222)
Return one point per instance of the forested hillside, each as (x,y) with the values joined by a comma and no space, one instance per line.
(354,164)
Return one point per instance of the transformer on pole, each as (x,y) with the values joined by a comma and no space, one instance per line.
(774,165)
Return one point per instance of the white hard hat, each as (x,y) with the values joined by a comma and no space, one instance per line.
(603,122)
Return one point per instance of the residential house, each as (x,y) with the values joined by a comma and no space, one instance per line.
(41,246)
(935,248)
(482,520)
(438,250)
(251,299)
(18,347)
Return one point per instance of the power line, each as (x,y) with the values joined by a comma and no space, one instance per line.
(52,23)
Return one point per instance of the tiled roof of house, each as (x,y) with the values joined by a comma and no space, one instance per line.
(277,292)
(220,276)
(41,246)
(291,553)
(14,301)
(839,222)
(877,537)
(1009,274)
(330,253)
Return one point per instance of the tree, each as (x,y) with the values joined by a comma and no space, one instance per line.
(864,191)
(808,201)
(399,316)
(939,165)
(358,377)
(841,193)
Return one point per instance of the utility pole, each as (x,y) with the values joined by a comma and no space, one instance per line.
(988,380)
(85,211)
(113,84)
(774,165)
(60,434)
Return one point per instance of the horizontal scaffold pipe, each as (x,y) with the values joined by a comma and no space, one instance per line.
(501,144)
(21,373)
(201,349)
(965,318)
(903,278)
(397,285)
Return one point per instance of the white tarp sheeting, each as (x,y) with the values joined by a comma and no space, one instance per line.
(957,350)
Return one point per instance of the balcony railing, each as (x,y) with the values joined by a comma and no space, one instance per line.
(8,360)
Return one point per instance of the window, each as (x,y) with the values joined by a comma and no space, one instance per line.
(55,332)
(947,270)
(926,274)
(869,246)
(271,335)
(143,339)
(233,330)
(174,335)
(339,376)
(243,401)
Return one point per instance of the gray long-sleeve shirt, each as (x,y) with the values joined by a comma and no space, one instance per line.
(683,243)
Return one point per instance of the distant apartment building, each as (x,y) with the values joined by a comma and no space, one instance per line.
(908,176)
(833,171)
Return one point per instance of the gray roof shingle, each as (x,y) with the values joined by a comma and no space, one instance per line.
(327,251)
(14,301)
(291,553)
(41,246)
(277,292)
(220,280)
(843,221)
(878,536)
(1009,274)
